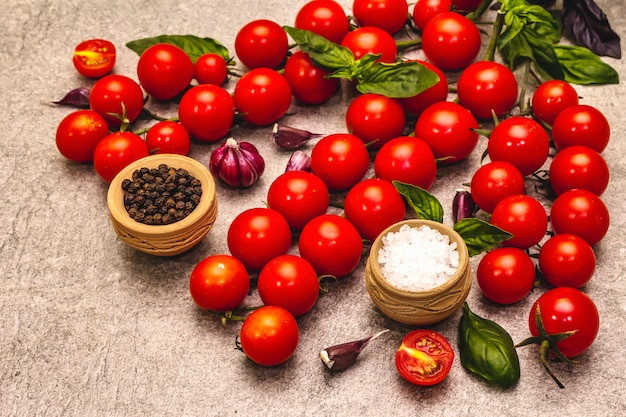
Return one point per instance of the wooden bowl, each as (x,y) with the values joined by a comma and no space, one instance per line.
(169,239)
(425,307)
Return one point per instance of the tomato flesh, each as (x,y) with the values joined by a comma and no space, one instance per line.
(94,58)
(424,358)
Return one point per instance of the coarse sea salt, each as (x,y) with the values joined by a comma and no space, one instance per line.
(417,258)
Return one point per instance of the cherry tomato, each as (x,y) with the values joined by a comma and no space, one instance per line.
(207,112)
(424,358)
(552,97)
(389,15)
(219,282)
(581,125)
(506,275)
(299,196)
(520,141)
(487,86)
(78,135)
(164,71)
(375,119)
(578,167)
(308,83)
(447,128)
(116,151)
(325,18)
(340,152)
(406,159)
(522,216)
(262,96)
(493,182)
(438,92)
(168,137)
(466,5)
(582,213)
(566,309)
(261,43)
(371,40)
(269,336)
(373,205)
(567,260)
(331,244)
(424,10)
(450,41)
(290,282)
(116,95)
(210,69)
(258,235)
(94,58)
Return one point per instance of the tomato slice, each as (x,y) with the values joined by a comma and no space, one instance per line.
(424,358)
(94,58)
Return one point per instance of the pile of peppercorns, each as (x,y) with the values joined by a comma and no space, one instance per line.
(161,195)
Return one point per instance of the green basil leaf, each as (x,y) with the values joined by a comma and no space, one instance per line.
(324,53)
(193,45)
(400,79)
(425,205)
(581,66)
(479,235)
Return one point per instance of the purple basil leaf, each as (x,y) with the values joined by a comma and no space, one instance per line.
(589,27)
(543,3)
(78,97)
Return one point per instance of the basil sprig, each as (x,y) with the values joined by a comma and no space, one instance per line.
(194,46)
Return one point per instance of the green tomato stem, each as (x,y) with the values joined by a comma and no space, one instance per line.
(498,24)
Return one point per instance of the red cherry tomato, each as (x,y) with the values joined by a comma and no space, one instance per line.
(116,95)
(299,196)
(261,43)
(522,216)
(116,151)
(371,40)
(581,125)
(290,282)
(485,87)
(438,92)
(168,137)
(450,41)
(424,358)
(567,260)
(269,336)
(578,167)
(493,182)
(340,152)
(331,244)
(308,83)
(219,283)
(164,71)
(373,205)
(566,309)
(424,10)
(406,159)
(551,98)
(447,128)
(506,275)
(210,69)
(262,96)
(258,235)
(375,119)
(94,58)
(582,213)
(207,112)
(325,18)
(78,135)
(389,15)
(520,141)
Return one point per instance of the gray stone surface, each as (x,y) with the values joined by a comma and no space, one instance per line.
(90,327)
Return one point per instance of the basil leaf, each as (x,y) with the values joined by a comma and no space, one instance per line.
(324,53)
(479,235)
(581,66)
(193,45)
(425,205)
(401,79)
(588,26)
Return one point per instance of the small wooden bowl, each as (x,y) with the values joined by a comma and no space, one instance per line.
(170,239)
(419,308)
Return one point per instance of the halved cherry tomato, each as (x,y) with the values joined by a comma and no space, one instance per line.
(424,358)
(94,58)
